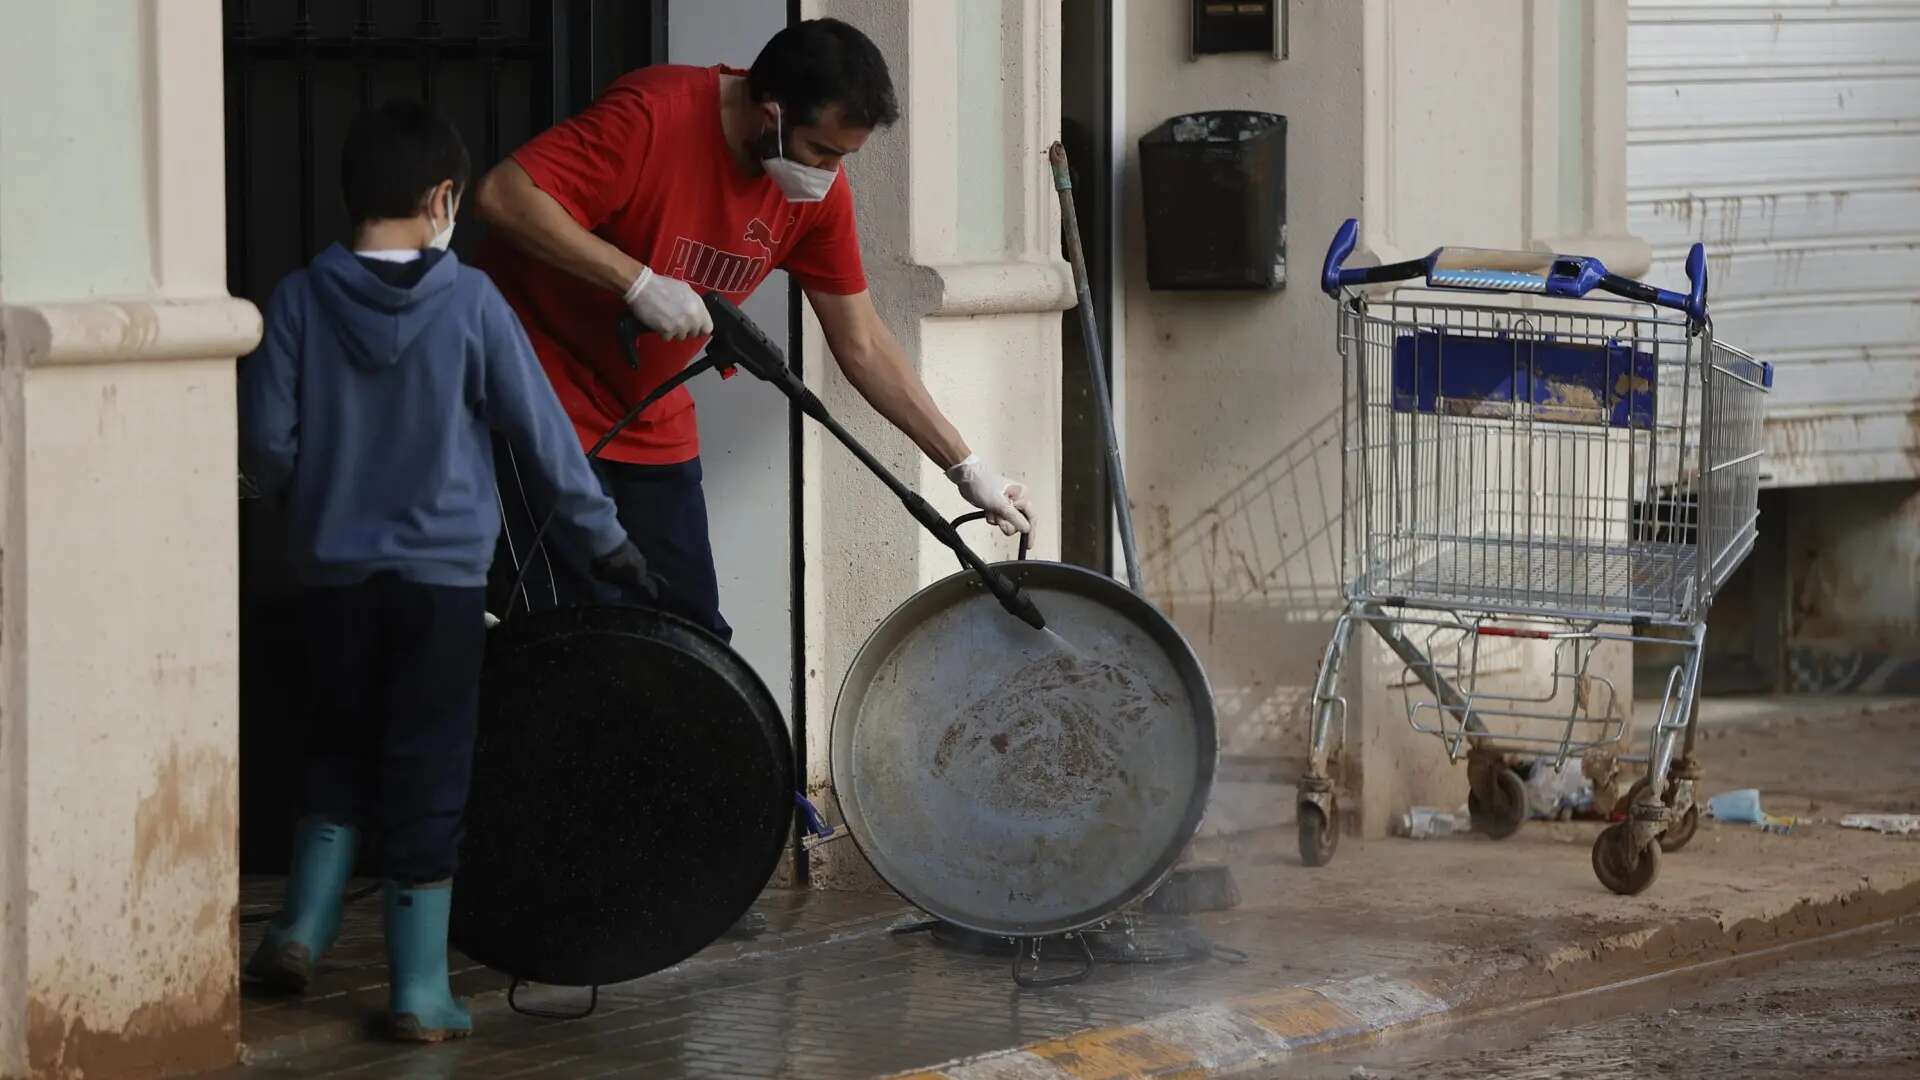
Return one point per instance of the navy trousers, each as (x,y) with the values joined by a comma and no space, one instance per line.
(394,670)
(662,507)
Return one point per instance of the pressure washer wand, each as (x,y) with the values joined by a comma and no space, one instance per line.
(738,342)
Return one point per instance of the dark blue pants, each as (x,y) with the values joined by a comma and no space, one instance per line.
(664,510)
(394,669)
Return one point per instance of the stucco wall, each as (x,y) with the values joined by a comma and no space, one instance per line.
(1433,122)
(1233,400)
(118,673)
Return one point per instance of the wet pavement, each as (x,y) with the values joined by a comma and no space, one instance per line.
(1851,1009)
(829,990)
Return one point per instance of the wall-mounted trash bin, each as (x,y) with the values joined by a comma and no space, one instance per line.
(1215,196)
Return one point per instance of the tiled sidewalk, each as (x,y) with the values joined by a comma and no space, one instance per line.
(827,990)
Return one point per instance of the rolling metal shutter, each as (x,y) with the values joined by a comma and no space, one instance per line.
(1785,135)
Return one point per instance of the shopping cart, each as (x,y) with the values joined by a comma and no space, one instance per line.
(1539,458)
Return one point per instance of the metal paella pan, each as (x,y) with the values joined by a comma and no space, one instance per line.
(1019,781)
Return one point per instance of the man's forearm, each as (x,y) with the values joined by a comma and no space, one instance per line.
(530,219)
(880,372)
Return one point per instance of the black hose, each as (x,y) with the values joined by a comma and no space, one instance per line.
(682,376)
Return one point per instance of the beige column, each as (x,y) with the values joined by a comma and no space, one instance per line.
(118,649)
(959,229)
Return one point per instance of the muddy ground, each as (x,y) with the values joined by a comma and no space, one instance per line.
(1854,1012)
(1820,765)
(1847,1009)
(1531,906)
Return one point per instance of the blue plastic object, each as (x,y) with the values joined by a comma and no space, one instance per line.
(1696,303)
(1739,807)
(1492,375)
(1332,278)
(815,824)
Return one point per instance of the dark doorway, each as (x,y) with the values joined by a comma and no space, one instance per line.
(296,72)
(1086,124)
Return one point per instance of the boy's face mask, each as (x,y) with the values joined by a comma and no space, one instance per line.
(799,183)
(444,235)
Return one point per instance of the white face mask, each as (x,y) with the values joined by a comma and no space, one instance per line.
(445,236)
(799,183)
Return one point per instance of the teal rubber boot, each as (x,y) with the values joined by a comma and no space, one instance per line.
(422,1007)
(310,921)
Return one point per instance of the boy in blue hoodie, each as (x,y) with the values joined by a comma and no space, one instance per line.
(370,406)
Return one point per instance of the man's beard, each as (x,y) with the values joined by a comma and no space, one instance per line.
(766,145)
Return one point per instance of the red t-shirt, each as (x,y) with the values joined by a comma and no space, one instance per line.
(647,168)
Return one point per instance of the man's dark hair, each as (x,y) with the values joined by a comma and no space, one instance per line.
(820,62)
(393,155)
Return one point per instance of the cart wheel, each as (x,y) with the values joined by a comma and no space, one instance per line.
(1500,816)
(1318,836)
(1619,865)
(1681,829)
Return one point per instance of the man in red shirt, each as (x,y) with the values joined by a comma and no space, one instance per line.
(676,182)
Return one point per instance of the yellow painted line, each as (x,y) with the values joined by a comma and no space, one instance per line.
(1118,1053)
(1229,1035)
(1295,1013)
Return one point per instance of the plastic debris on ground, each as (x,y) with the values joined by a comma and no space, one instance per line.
(1891,824)
(1557,794)
(1739,807)
(1742,807)
(1427,822)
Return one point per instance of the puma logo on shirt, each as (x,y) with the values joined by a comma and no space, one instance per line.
(706,267)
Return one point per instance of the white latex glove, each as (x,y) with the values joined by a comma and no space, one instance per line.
(668,305)
(1004,501)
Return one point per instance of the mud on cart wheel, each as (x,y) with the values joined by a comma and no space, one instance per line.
(1621,866)
(1683,826)
(1500,813)
(1318,836)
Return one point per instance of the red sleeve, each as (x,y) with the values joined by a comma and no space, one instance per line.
(590,164)
(827,258)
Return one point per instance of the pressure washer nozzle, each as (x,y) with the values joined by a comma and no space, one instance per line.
(1021,607)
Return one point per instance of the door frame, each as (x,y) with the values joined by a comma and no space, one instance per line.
(1087,113)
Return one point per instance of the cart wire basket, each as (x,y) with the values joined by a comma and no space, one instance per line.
(1539,457)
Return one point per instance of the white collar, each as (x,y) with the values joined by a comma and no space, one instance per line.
(392,255)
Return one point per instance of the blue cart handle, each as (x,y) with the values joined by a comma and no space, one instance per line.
(1568,276)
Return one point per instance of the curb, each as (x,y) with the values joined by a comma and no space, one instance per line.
(1241,1033)
(1225,1036)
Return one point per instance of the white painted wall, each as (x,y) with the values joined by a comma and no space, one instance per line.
(743,423)
(76,223)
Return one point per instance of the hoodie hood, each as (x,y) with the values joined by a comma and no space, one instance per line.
(378,322)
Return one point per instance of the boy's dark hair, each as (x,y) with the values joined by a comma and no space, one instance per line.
(822,62)
(393,155)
